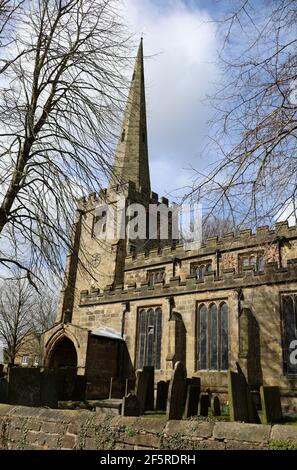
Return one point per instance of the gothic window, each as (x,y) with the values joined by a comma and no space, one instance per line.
(203,337)
(199,269)
(224,337)
(155,276)
(149,337)
(212,336)
(289,330)
(252,260)
(261,263)
(99,224)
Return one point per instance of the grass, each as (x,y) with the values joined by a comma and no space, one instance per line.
(289,419)
(155,414)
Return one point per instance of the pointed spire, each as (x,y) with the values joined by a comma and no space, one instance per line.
(131,159)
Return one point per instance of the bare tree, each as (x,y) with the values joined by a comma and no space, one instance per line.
(45,311)
(24,313)
(16,304)
(253,131)
(8,15)
(62,88)
(216,226)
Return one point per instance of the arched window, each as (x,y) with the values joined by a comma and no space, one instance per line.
(203,337)
(149,338)
(253,262)
(141,338)
(261,263)
(212,336)
(224,346)
(246,262)
(289,327)
(199,269)
(208,267)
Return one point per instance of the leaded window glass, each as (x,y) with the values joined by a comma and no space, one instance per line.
(149,338)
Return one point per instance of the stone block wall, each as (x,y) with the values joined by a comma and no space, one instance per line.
(45,429)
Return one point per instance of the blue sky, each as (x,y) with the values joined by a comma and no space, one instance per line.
(180,45)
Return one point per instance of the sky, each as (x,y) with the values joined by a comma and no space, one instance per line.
(180,45)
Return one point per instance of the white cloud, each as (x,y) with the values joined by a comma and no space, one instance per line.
(180,45)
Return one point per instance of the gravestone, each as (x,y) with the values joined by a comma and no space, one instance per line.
(3,390)
(141,389)
(193,381)
(215,406)
(24,386)
(192,399)
(150,399)
(252,409)
(79,391)
(162,393)
(130,405)
(203,404)
(271,405)
(256,399)
(176,393)
(242,407)
(50,391)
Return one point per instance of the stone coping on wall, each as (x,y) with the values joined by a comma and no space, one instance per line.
(228,279)
(41,429)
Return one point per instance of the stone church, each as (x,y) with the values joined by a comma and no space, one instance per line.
(128,304)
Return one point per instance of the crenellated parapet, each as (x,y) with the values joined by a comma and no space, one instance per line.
(228,279)
(129,190)
(230,242)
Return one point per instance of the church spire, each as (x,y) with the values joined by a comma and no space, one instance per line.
(131,159)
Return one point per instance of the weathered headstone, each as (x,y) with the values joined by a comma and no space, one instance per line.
(242,407)
(192,399)
(256,399)
(51,387)
(3,390)
(162,393)
(150,399)
(203,404)
(193,381)
(141,389)
(176,393)
(79,391)
(252,409)
(215,406)
(24,386)
(271,405)
(130,406)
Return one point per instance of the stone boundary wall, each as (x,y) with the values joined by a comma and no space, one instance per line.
(23,428)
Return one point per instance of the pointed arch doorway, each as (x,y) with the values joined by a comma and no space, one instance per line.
(63,354)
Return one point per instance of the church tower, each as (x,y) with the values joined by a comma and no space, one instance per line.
(98,260)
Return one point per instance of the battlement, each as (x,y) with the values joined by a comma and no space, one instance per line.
(128,189)
(230,241)
(228,279)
